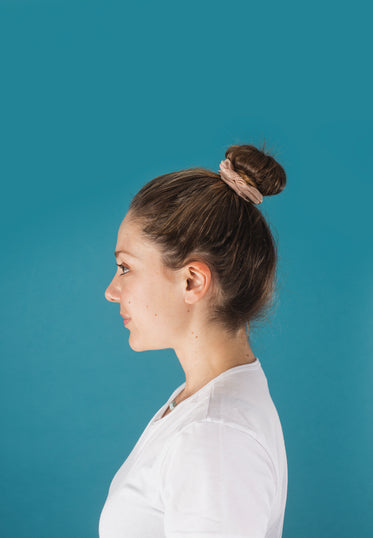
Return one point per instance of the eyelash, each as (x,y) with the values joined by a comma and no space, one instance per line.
(122,266)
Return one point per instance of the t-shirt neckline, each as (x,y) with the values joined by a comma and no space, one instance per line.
(229,371)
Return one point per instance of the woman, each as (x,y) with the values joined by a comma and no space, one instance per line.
(196,264)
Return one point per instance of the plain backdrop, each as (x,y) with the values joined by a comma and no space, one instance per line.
(96,99)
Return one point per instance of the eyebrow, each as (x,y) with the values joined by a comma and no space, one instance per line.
(117,252)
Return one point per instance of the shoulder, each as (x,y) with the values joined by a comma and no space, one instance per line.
(215,478)
(212,442)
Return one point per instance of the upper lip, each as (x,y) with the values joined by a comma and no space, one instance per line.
(123,316)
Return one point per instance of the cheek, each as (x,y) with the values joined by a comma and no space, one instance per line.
(173,306)
(161,302)
(143,297)
(154,298)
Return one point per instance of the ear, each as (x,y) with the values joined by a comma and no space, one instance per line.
(197,280)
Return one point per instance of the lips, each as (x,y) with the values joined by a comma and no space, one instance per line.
(126,318)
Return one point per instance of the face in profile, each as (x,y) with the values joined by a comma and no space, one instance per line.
(150,296)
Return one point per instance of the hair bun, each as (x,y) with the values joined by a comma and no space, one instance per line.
(257,168)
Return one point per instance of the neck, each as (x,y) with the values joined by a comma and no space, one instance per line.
(208,354)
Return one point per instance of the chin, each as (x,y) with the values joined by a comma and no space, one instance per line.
(137,346)
(141,346)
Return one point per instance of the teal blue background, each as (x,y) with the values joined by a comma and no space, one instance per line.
(97,99)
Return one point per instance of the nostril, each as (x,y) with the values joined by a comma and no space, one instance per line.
(111,294)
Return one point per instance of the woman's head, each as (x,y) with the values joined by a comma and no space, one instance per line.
(193,216)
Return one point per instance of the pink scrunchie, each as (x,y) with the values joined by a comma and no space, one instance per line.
(238,184)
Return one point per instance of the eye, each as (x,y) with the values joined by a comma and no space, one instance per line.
(122,266)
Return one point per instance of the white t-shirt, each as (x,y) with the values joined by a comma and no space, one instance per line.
(215,466)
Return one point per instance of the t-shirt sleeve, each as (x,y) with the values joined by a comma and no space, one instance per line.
(217,480)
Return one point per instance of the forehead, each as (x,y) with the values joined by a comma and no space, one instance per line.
(131,240)
(129,233)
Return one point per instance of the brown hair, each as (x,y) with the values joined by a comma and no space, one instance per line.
(193,214)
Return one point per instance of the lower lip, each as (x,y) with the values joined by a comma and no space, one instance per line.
(126,321)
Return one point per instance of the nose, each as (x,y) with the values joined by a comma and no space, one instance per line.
(112,292)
